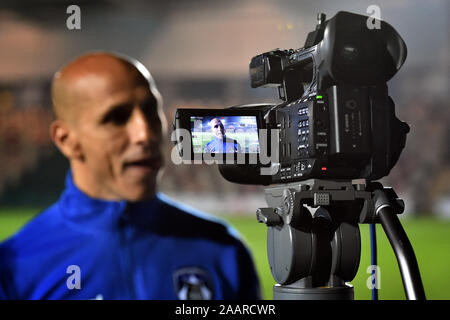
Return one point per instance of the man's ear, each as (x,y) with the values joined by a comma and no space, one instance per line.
(65,138)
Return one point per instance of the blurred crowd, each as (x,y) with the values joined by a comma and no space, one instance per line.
(422,175)
(24,137)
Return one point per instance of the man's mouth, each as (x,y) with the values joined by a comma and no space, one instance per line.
(146,164)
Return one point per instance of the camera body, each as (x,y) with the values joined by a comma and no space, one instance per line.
(336,121)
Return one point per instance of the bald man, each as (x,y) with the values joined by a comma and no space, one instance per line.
(111,235)
(220,143)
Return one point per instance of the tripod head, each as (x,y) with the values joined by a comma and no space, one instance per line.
(313,238)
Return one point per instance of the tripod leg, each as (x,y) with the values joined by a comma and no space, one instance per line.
(404,252)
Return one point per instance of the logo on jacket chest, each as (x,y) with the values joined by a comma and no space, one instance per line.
(193,283)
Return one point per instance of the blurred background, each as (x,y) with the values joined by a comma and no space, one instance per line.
(198,52)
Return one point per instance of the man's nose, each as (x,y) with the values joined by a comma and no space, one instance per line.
(140,129)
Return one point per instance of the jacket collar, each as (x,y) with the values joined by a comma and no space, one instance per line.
(92,214)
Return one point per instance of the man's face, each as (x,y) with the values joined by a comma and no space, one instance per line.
(120,136)
(217,128)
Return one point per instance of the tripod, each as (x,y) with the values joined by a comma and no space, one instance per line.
(313,256)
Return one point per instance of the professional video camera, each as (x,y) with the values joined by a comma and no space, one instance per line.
(336,121)
(333,135)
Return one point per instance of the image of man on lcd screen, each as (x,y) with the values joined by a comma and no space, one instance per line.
(220,143)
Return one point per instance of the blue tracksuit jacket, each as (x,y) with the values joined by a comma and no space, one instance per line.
(222,146)
(85,248)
